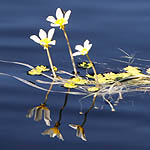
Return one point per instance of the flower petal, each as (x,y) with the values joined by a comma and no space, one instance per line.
(55,25)
(89,47)
(38,114)
(83,137)
(53,42)
(80,133)
(42,34)
(47,118)
(35,38)
(67,15)
(79,47)
(86,43)
(51,133)
(76,53)
(73,126)
(60,137)
(51,33)
(51,19)
(59,13)
(46,132)
(30,112)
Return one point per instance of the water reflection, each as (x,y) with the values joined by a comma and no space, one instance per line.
(39,109)
(52,132)
(80,130)
(114,89)
(38,113)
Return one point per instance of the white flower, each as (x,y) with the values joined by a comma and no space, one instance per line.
(148,70)
(52,132)
(61,18)
(38,113)
(44,40)
(83,50)
(80,131)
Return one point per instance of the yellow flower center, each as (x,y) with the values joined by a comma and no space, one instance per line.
(45,42)
(80,129)
(61,21)
(42,106)
(55,130)
(84,51)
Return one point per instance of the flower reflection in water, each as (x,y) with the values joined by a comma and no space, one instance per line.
(38,113)
(39,109)
(80,130)
(52,132)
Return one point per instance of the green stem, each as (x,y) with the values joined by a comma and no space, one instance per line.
(70,51)
(94,70)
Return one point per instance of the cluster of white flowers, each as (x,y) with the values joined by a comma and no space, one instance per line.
(60,21)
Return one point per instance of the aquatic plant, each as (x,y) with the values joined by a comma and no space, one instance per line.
(103,84)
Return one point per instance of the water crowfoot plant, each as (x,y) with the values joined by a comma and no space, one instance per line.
(61,21)
(83,50)
(104,84)
(46,42)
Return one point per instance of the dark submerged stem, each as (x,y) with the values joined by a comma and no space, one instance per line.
(86,113)
(50,88)
(65,103)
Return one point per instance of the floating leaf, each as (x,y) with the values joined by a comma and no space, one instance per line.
(78,80)
(93,89)
(133,70)
(70,85)
(38,70)
(85,65)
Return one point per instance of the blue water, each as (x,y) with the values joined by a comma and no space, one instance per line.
(109,25)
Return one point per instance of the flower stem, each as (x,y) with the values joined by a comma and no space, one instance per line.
(48,92)
(85,115)
(94,70)
(65,103)
(50,62)
(70,51)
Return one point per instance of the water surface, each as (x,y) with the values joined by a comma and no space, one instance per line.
(109,25)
